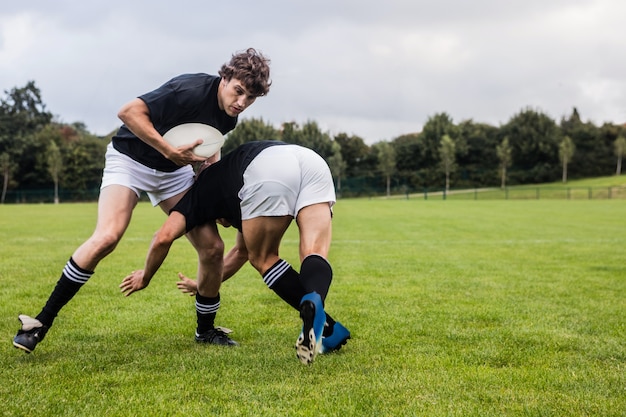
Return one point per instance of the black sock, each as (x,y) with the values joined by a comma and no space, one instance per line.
(316,275)
(285,282)
(72,279)
(206,310)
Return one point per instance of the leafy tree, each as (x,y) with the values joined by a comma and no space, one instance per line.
(534,139)
(38,176)
(386,162)
(83,164)
(476,154)
(6,167)
(620,149)
(592,157)
(247,131)
(354,152)
(310,136)
(55,166)
(447,151)
(22,114)
(22,111)
(504,154)
(408,159)
(429,143)
(337,165)
(290,132)
(566,151)
(607,135)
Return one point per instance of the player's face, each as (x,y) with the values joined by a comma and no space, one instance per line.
(233,97)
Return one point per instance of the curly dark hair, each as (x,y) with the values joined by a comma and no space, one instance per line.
(251,68)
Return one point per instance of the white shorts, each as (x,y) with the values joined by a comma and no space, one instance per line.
(282,180)
(120,169)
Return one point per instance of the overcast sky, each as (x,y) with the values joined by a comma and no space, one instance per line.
(376,69)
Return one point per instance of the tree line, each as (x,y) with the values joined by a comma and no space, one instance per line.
(37,152)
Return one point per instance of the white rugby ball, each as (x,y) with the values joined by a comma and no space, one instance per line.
(188,133)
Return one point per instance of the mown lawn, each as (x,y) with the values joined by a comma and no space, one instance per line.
(457,308)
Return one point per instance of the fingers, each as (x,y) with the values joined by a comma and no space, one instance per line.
(184,289)
(186,285)
(188,151)
(126,288)
(131,283)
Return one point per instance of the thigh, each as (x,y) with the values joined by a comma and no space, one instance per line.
(262,236)
(167,204)
(206,237)
(315,225)
(115,208)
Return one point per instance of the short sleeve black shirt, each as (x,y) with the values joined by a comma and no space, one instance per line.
(187,98)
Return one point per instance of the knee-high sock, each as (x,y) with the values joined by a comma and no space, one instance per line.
(286,283)
(206,310)
(316,275)
(72,279)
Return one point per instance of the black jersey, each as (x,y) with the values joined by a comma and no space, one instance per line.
(214,195)
(188,98)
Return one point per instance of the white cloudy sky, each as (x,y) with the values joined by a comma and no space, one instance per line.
(376,69)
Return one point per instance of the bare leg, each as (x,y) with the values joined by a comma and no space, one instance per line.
(315,227)
(115,207)
(210,248)
(314,223)
(262,236)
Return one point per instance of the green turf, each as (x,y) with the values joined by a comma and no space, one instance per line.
(457,308)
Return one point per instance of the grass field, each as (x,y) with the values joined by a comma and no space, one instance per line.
(457,308)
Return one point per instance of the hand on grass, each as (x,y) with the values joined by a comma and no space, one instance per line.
(133,283)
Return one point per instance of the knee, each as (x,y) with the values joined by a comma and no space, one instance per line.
(105,243)
(255,262)
(211,251)
(262,263)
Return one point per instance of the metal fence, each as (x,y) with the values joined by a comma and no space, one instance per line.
(509,193)
(47,196)
(520,193)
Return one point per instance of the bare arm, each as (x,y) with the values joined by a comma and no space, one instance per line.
(136,116)
(235,258)
(173,228)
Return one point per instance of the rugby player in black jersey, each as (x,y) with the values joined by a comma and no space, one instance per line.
(138,159)
(259,188)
